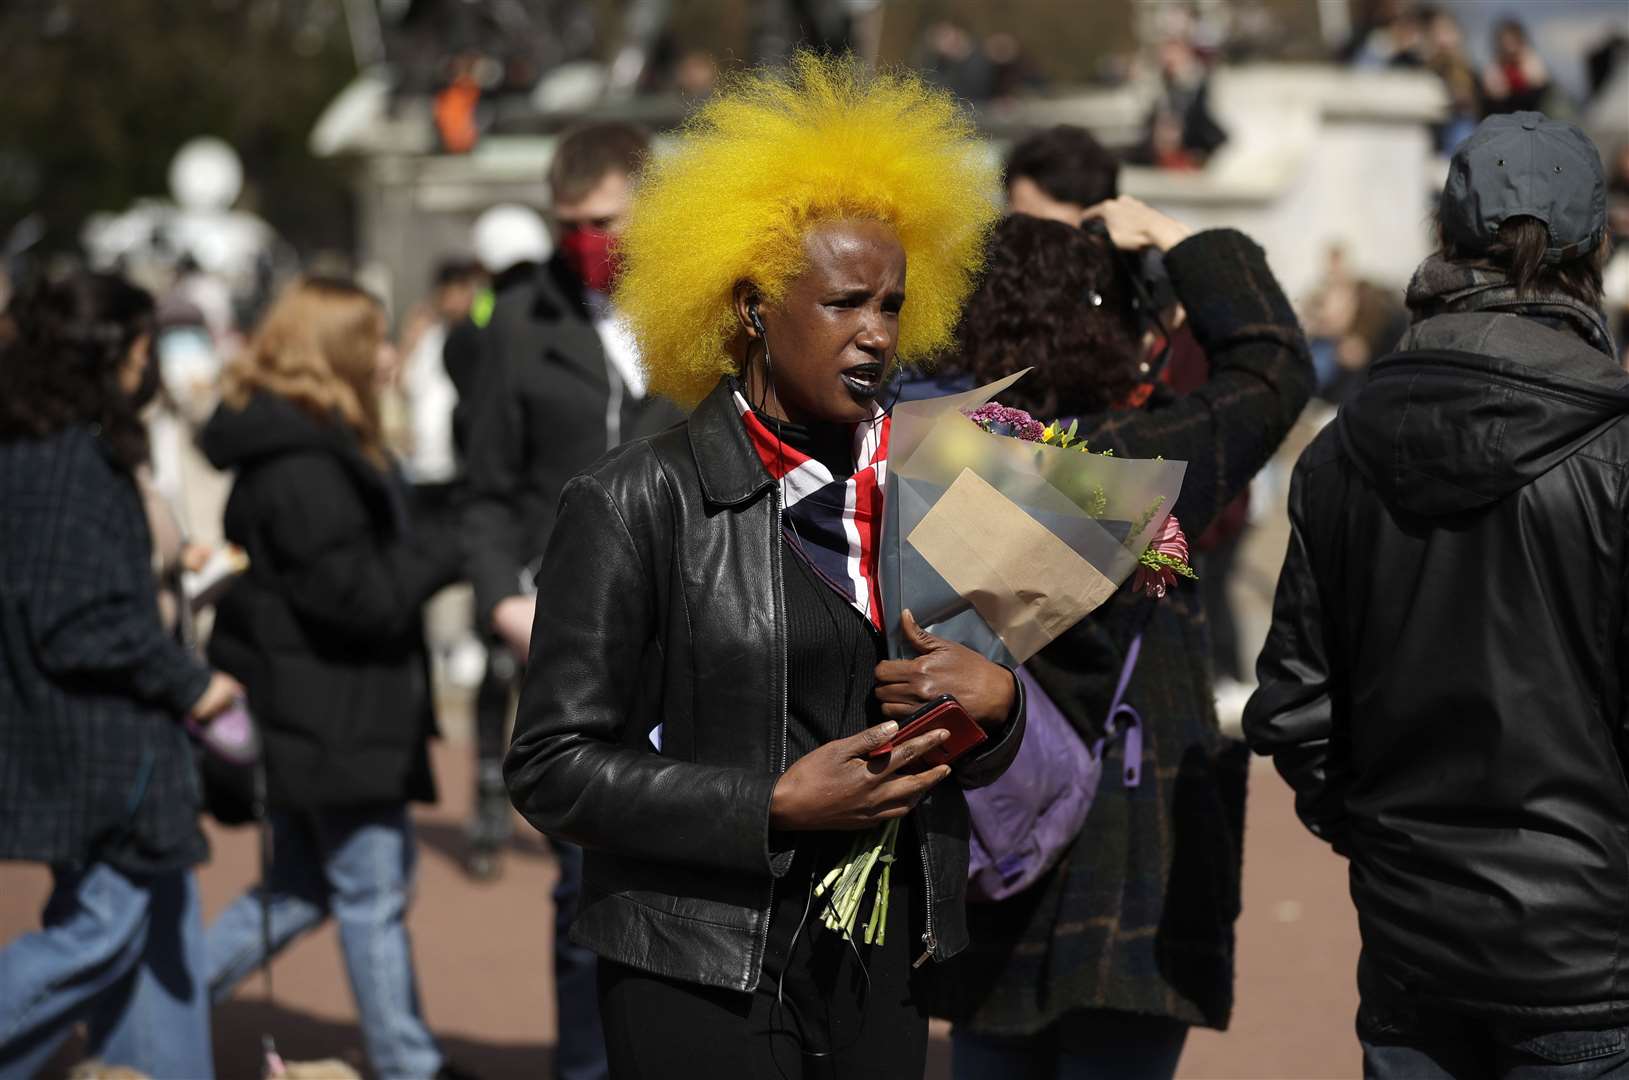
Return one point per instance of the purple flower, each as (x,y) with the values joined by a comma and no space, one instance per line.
(999,419)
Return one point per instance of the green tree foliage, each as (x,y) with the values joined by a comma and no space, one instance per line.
(97,95)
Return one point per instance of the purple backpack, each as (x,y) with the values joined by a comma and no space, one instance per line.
(1022,823)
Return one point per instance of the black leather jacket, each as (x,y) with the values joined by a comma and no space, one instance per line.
(660,604)
(1444,683)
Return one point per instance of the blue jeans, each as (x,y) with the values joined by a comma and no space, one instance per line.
(1447,1047)
(1404,1040)
(123,953)
(580,1053)
(1089,1044)
(358,866)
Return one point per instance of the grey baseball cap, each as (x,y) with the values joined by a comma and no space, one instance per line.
(1526,164)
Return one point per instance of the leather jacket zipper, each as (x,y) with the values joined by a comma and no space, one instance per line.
(928,939)
(780,618)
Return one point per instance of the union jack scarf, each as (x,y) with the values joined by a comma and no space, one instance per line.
(835,525)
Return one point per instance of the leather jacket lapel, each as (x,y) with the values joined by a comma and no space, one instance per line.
(730,470)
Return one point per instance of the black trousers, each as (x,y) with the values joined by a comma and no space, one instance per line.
(841,1010)
(493,822)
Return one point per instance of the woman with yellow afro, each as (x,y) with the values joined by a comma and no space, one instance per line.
(709,709)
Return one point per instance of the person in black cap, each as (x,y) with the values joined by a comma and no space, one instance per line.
(1444,682)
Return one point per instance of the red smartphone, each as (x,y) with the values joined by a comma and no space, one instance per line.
(943,711)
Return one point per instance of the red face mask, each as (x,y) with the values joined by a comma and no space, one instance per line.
(591,254)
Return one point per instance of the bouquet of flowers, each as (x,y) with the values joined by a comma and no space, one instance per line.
(1000,533)
(1163,561)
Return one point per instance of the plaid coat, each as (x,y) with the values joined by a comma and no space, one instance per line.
(94,763)
(1139,914)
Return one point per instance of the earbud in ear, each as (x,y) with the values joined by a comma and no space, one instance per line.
(763,336)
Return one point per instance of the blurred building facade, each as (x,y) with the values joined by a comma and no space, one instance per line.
(1314,154)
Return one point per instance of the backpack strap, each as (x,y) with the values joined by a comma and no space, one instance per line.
(1124,718)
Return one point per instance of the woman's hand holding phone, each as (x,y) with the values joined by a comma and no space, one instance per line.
(840,786)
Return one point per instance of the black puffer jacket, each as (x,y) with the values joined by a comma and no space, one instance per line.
(324,628)
(1444,681)
(661,603)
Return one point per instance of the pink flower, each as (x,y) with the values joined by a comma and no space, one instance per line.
(1172,544)
(1172,540)
(1000,419)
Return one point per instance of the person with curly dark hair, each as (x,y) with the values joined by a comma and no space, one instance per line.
(1055,298)
(82,351)
(96,772)
(1103,965)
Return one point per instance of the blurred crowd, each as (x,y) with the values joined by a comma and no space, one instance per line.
(1514,77)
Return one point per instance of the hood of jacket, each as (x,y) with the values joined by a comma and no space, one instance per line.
(1476,403)
(269,427)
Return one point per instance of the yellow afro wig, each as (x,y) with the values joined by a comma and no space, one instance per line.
(774,154)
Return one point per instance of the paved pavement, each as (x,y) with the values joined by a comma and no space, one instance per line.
(483,956)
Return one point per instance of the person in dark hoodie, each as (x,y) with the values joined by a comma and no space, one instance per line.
(324,631)
(1443,685)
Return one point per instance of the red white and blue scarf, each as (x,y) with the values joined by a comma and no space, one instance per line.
(834,524)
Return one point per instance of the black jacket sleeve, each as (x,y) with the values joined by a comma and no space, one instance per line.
(572,769)
(496,480)
(1261,377)
(1294,715)
(92,614)
(985,765)
(461,359)
(335,569)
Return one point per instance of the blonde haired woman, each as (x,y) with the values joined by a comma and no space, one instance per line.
(324,631)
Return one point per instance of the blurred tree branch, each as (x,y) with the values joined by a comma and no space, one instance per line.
(97,95)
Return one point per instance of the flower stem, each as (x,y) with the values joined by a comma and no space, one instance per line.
(846,883)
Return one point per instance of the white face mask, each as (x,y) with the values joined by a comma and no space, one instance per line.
(190,370)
